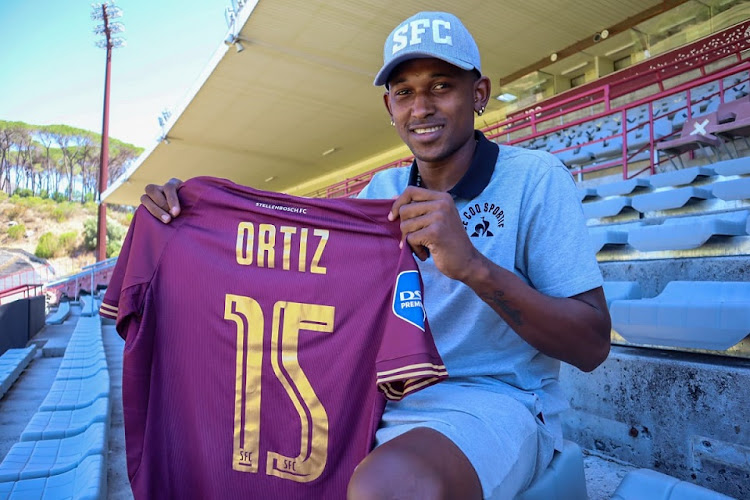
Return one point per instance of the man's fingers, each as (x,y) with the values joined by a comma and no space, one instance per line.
(170,193)
(154,209)
(156,194)
(410,195)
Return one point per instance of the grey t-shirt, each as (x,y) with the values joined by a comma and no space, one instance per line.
(529,220)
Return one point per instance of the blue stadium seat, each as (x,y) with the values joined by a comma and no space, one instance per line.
(584,193)
(621,290)
(683,233)
(734,189)
(65,423)
(58,317)
(12,363)
(88,305)
(647,484)
(88,481)
(669,199)
(681,177)
(606,208)
(600,236)
(623,187)
(737,166)
(692,314)
(32,459)
(564,479)
(72,394)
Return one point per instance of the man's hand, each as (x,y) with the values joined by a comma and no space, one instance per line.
(162,201)
(431,226)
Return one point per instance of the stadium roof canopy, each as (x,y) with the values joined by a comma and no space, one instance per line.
(298,101)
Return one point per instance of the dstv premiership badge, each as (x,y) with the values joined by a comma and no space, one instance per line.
(407,299)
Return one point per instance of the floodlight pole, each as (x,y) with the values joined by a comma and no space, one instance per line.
(101,12)
(101,235)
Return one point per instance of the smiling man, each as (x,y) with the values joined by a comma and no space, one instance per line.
(511,285)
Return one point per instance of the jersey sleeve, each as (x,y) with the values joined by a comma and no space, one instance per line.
(407,360)
(135,267)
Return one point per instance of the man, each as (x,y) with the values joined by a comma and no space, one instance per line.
(511,285)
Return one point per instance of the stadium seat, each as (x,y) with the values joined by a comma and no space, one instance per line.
(606,208)
(600,236)
(564,479)
(737,166)
(734,189)
(681,177)
(683,233)
(647,484)
(71,394)
(88,481)
(621,290)
(65,423)
(692,314)
(584,193)
(88,305)
(623,187)
(58,317)
(12,363)
(695,134)
(669,199)
(32,459)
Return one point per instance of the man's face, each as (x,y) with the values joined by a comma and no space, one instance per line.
(432,104)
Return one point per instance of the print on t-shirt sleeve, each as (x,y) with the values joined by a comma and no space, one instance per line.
(407,359)
(134,269)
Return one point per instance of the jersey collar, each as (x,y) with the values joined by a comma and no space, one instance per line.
(480,171)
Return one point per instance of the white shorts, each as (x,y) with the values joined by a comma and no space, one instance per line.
(507,444)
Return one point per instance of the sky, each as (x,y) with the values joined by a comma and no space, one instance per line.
(52,72)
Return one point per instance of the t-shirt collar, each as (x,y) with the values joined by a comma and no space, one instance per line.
(480,171)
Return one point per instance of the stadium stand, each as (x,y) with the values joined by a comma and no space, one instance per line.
(12,363)
(693,314)
(681,177)
(62,451)
(695,134)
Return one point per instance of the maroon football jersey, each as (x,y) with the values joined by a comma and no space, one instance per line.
(263,334)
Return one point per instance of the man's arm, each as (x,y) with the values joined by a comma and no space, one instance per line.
(572,329)
(162,201)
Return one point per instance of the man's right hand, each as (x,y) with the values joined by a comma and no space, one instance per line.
(162,201)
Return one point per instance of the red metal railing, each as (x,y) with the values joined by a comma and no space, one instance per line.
(21,292)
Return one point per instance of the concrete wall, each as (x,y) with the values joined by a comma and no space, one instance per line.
(683,414)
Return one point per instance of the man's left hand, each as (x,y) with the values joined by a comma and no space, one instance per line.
(431,226)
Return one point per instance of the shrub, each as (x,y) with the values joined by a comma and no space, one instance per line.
(63,211)
(48,246)
(67,242)
(23,193)
(59,197)
(16,232)
(115,235)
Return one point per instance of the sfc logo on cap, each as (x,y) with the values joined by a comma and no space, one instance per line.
(429,34)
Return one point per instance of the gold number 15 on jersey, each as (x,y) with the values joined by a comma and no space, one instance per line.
(288,319)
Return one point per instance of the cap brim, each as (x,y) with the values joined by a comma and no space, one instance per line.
(382,77)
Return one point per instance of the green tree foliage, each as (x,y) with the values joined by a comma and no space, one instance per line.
(58,159)
(115,235)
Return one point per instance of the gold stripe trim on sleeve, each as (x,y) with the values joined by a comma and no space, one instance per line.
(107,306)
(410,367)
(409,375)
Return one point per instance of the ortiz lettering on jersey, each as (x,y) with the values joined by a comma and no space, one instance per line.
(268,340)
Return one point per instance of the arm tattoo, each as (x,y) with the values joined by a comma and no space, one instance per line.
(496,300)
